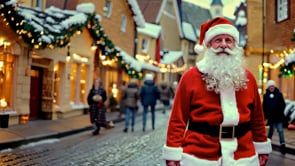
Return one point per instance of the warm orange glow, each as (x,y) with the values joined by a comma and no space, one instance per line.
(24,119)
(3,103)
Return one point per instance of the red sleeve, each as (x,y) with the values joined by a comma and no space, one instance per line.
(180,110)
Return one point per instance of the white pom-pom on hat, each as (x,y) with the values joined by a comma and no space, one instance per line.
(199,48)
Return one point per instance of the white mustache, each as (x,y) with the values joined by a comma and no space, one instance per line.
(225,50)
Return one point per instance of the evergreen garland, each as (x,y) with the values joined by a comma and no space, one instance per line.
(48,35)
(287,70)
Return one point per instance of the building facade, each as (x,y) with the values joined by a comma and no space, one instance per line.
(47,62)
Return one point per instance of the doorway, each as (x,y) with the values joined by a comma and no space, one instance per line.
(36,93)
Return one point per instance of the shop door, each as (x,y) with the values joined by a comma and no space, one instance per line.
(35,93)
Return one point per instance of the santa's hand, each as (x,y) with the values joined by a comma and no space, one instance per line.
(172,163)
(263,159)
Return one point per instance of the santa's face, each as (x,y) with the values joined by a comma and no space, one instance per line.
(222,42)
(224,71)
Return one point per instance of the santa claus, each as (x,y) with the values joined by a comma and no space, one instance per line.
(217,117)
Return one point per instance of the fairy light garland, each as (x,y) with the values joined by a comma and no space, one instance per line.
(47,39)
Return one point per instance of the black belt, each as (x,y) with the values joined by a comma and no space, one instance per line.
(220,131)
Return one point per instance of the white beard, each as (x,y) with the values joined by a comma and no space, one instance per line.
(224,71)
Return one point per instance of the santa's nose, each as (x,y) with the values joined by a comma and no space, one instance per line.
(223,44)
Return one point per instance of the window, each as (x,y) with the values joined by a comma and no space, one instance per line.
(169,7)
(217,12)
(83,93)
(282,10)
(78,83)
(37,4)
(144,45)
(123,23)
(6,78)
(108,9)
(74,80)
(59,69)
(191,48)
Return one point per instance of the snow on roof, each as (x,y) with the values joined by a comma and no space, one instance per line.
(170,56)
(88,8)
(138,17)
(241,19)
(188,31)
(151,30)
(290,58)
(135,64)
(52,21)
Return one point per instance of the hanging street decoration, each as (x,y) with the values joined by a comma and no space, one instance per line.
(288,68)
(53,28)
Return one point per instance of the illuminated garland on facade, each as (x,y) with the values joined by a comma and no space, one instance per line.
(48,37)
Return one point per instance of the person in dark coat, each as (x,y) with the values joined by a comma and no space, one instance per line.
(273,107)
(130,96)
(166,93)
(96,99)
(122,108)
(149,94)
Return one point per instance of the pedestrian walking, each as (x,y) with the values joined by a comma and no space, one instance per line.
(217,117)
(122,108)
(130,97)
(148,95)
(174,87)
(166,93)
(273,107)
(96,100)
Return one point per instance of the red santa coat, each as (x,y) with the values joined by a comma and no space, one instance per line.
(195,103)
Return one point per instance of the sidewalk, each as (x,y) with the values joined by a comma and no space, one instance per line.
(43,129)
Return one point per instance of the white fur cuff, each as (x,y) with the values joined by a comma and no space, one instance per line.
(171,153)
(263,147)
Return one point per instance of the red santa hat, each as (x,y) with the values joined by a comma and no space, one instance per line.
(214,27)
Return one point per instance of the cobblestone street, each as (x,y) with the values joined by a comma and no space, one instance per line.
(110,148)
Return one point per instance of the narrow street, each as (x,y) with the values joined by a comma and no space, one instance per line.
(111,148)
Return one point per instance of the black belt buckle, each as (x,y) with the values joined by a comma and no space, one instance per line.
(226,132)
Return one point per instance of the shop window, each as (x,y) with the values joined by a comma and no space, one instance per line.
(6,79)
(78,83)
(74,82)
(83,93)
(282,10)
(58,70)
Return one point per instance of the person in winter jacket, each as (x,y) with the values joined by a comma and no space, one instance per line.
(149,95)
(217,117)
(273,107)
(130,96)
(122,108)
(166,93)
(96,99)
